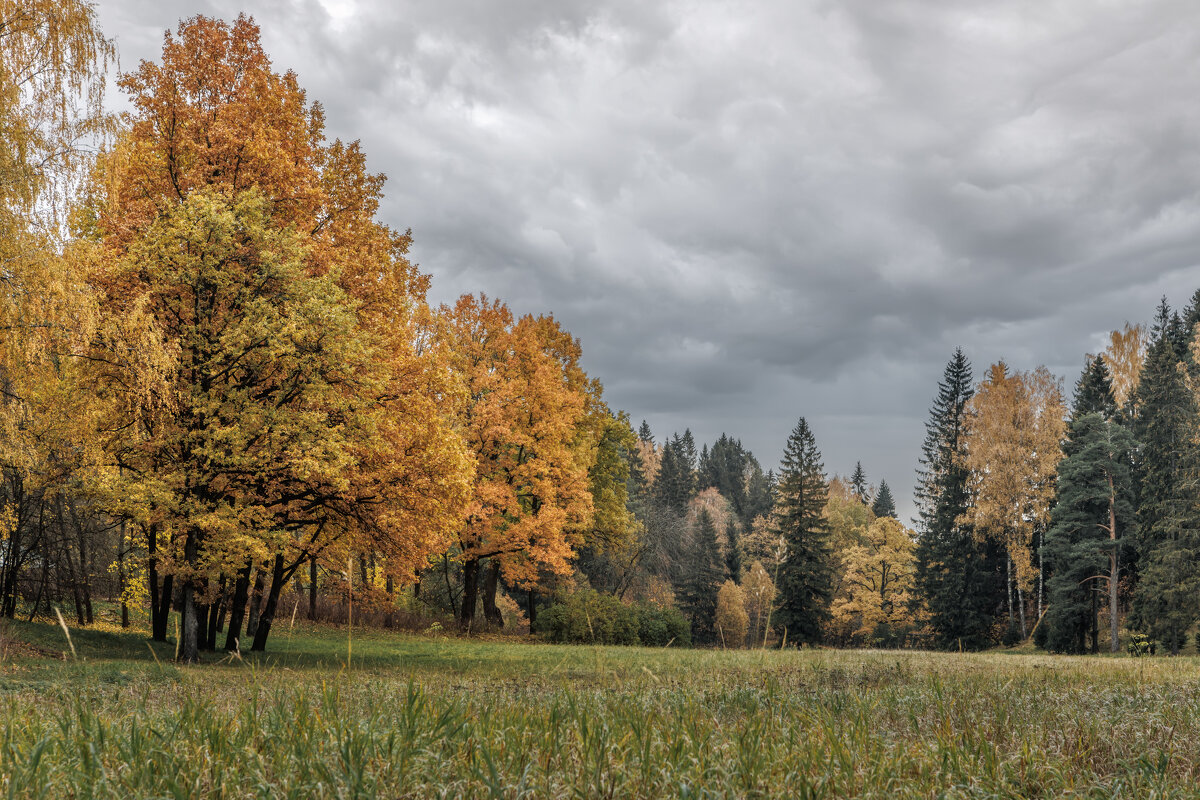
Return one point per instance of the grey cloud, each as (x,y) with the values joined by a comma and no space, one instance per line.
(750,211)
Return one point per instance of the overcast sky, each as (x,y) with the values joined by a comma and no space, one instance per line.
(754,211)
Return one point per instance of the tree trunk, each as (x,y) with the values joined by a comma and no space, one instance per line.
(491,582)
(1113,571)
(1041,570)
(1095,619)
(189,645)
(1021,611)
(312,588)
(255,605)
(203,615)
(531,609)
(470,592)
(1008,568)
(268,612)
(237,612)
(159,632)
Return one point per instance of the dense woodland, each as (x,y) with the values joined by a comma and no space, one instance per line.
(226,400)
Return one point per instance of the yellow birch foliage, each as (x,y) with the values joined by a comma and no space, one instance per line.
(1014,429)
(53,59)
(732,619)
(759,592)
(1124,356)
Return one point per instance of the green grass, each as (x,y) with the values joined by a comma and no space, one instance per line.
(447,717)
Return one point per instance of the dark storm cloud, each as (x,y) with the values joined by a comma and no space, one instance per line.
(752,211)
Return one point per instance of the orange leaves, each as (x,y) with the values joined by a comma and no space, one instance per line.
(527,399)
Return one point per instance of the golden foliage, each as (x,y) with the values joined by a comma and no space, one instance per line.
(732,620)
(1014,429)
(877,582)
(1124,356)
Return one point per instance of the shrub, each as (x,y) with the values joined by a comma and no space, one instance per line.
(590,617)
(659,627)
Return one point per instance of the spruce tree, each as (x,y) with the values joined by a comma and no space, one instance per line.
(1092,515)
(1167,600)
(884,505)
(1094,392)
(806,574)
(733,553)
(858,482)
(702,579)
(644,433)
(960,578)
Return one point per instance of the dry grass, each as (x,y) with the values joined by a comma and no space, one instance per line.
(454,718)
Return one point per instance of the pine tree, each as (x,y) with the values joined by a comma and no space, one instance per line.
(702,580)
(1167,600)
(959,577)
(884,505)
(1093,513)
(858,482)
(806,574)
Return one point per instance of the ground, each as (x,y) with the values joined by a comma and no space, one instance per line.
(437,716)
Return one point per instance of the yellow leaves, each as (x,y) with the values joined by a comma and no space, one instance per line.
(877,583)
(1014,429)
(1124,357)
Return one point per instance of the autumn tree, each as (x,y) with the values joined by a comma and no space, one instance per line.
(525,423)
(806,573)
(213,119)
(1013,430)
(759,592)
(1123,358)
(732,621)
(875,596)
(613,547)
(53,61)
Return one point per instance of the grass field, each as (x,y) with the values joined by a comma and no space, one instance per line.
(446,717)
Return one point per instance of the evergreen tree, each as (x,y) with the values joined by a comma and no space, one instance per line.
(733,553)
(806,574)
(644,433)
(960,578)
(884,505)
(858,482)
(731,469)
(1094,392)
(702,579)
(1167,600)
(1092,515)
(671,487)
(760,493)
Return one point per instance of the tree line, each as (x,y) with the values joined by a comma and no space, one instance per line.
(223,390)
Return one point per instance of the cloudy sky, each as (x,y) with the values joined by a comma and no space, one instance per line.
(754,211)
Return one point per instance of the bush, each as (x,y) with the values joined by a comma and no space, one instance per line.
(590,617)
(659,627)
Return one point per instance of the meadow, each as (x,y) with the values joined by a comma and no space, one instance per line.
(439,716)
